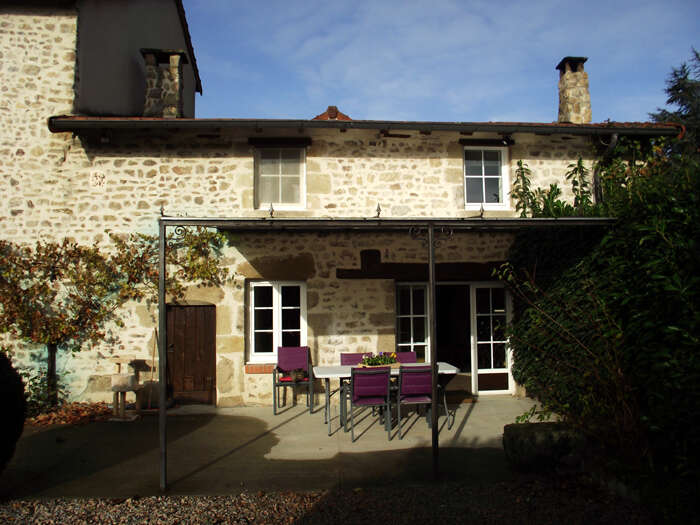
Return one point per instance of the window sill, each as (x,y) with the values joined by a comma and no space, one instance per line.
(488,207)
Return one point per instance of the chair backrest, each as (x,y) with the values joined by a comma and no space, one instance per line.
(293,357)
(415,381)
(370,382)
(406,357)
(351,359)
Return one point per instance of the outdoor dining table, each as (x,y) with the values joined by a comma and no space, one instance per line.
(343,372)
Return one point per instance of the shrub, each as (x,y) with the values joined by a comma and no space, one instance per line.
(12,395)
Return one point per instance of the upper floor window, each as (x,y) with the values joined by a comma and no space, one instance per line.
(486,180)
(280,177)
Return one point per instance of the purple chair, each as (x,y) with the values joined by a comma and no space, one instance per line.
(352,359)
(348,359)
(406,357)
(369,387)
(290,359)
(416,388)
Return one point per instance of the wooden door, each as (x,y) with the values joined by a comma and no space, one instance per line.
(192,353)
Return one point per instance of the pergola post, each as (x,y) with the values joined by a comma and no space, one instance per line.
(433,348)
(162,359)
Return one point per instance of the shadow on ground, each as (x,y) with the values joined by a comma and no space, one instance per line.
(219,454)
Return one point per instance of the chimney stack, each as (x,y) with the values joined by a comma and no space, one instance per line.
(574,96)
(164,82)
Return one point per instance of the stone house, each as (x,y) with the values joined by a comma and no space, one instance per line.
(326,217)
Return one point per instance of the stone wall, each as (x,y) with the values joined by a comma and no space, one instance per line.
(343,315)
(120,182)
(37,61)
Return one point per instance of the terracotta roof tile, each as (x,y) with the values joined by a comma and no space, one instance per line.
(332,113)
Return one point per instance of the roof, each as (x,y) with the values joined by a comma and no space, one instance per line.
(86,125)
(188,42)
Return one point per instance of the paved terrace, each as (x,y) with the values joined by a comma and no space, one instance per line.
(222,451)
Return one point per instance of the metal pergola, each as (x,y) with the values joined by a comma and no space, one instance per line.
(427,229)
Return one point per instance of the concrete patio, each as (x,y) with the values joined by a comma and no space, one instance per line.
(220,451)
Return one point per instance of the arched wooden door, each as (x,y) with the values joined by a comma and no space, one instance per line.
(192,353)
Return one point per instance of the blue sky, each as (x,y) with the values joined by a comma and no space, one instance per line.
(434,60)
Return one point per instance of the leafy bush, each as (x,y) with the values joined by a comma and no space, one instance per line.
(40,395)
(12,395)
(610,342)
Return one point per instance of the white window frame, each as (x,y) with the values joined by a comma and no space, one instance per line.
(271,357)
(301,205)
(505,180)
(409,347)
(474,350)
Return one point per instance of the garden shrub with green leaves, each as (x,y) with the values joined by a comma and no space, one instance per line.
(609,338)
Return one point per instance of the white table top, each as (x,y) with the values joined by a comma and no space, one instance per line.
(338,371)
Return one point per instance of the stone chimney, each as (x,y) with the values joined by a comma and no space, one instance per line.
(164,82)
(574,97)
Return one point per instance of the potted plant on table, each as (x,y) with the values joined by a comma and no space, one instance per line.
(381,359)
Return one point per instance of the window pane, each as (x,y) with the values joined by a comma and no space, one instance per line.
(290,319)
(499,355)
(498,296)
(484,356)
(269,190)
(493,189)
(262,296)
(475,192)
(499,327)
(291,296)
(291,339)
(404,300)
(405,330)
(418,301)
(419,329)
(263,342)
(290,190)
(483,328)
(269,162)
(291,162)
(472,162)
(420,353)
(263,320)
(483,304)
(492,162)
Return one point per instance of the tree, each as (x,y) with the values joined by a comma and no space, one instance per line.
(64,295)
(683,90)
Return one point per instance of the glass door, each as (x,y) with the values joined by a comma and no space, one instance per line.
(490,355)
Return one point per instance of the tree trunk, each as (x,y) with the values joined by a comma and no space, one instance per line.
(51,379)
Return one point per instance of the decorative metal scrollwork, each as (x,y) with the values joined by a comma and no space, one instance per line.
(441,234)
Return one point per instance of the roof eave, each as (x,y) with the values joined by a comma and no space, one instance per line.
(78,124)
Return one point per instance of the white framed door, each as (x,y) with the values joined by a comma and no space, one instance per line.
(471,318)
(491,356)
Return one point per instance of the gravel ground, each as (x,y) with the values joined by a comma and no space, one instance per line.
(529,500)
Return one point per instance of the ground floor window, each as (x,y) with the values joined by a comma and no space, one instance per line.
(412,320)
(277,318)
